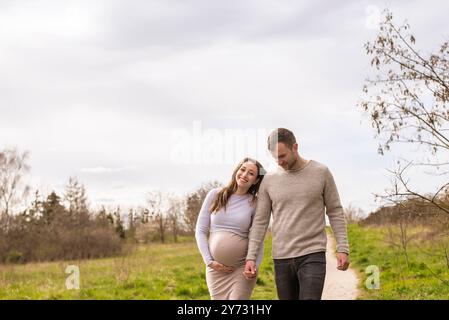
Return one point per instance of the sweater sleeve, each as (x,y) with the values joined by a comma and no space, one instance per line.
(203,226)
(260,223)
(260,256)
(335,213)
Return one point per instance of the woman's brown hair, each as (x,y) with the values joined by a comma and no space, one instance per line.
(224,194)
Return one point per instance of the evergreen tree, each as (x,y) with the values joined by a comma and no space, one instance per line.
(52,208)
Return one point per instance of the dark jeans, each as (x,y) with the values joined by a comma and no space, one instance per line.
(300,278)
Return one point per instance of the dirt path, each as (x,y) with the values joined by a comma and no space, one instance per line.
(339,285)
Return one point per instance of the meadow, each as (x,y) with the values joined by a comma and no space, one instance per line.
(176,271)
(153,271)
(425,277)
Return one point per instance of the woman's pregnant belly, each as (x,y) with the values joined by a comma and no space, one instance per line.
(228,248)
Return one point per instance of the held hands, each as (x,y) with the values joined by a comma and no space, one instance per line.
(250,270)
(249,273)
(342,261)
(220,267)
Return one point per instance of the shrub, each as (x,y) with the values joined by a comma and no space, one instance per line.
(14,256)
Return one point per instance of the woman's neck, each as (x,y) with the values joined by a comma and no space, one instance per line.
(241,191)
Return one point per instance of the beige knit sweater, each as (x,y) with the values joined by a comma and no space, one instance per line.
(298,200)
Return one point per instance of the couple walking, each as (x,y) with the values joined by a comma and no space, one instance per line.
(233,221)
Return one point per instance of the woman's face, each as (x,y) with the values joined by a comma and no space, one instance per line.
(246,175)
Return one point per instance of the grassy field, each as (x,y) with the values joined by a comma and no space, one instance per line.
(426,276)
(176,271)
(154,271)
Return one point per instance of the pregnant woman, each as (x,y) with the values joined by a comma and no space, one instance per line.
(226,216)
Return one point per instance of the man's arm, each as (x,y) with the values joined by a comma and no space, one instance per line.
(260,222)
(337,220)
(257,232)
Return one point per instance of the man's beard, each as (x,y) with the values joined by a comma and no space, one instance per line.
(291,165)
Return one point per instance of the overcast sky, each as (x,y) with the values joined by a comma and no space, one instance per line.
(132,96)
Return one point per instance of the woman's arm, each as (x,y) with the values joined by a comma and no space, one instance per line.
(203,226)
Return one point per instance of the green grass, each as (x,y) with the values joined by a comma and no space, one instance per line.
(176,271)
(154,271)
(426,276)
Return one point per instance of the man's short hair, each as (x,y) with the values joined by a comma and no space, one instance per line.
(281,135)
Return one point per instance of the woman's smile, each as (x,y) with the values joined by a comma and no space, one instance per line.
(242,180)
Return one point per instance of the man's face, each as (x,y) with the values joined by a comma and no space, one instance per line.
(284,156)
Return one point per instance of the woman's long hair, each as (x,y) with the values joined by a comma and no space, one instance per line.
(224,194)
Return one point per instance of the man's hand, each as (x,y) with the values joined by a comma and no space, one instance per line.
(220,267)
(250,270)
(342,261)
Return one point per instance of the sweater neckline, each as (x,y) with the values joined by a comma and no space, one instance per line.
(296,170)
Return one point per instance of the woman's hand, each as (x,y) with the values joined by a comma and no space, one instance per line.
(220,267)
(250,270)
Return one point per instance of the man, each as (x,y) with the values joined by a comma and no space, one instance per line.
(297,194)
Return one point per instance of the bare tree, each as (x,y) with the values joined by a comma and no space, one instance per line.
(175,212)
(118,222)
(407,102)
(142,227)
(13,189)
(194,201)
(131,232)
(158,216)
(401,237)
(37,209)
(353,214)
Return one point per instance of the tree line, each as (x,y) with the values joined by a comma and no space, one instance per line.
(63,226)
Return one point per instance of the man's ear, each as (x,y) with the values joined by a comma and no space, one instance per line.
(295,147)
